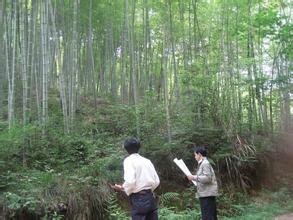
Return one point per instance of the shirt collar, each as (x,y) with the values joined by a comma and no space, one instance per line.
(199,162)
(133,155)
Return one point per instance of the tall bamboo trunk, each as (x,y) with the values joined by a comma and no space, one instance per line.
(133,69)
(165,80)
(2,58)
(239,111)
(176,83)
(10,68)
(91,57)
(124,54)
(24,47)
(44,65)
(23,39)
(60,73)
(74,67)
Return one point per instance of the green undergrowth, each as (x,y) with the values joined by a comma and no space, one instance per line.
(267,205)
(59,174)
(49,194)
(264,205)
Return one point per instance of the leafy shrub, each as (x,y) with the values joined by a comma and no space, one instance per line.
(114,210)
(169,197)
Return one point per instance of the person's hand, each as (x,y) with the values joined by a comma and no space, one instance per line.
(117,187)
(191,177)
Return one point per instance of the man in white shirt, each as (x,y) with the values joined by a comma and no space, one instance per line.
(140,180)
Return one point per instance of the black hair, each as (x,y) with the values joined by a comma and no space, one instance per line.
(132,145)
(201,150)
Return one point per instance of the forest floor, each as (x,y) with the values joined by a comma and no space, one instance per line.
(285,217)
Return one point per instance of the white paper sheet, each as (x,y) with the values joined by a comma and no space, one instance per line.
(180,163)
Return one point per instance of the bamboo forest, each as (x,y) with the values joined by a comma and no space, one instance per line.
(79,77)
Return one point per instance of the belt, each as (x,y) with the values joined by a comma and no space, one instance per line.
(142,192)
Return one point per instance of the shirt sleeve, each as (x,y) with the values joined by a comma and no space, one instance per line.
(206,175)
(129,177)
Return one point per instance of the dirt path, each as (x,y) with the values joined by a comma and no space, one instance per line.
(285,217)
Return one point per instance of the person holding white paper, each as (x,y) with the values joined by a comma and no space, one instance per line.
(180,163)
(207,187)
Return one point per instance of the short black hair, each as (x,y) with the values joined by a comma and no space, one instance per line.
(200,149)
(132,145)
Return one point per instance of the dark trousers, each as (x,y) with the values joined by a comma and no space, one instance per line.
(208,208)
(144,206)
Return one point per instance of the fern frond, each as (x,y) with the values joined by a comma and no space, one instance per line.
(168,197)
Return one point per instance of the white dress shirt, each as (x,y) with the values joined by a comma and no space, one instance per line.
(139,174)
